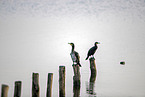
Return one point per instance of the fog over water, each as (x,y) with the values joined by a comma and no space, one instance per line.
(34,37)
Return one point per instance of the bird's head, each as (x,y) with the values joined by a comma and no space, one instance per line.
(97,43)
(72,44)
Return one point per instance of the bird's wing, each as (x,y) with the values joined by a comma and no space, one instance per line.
(92,51)
(77,56)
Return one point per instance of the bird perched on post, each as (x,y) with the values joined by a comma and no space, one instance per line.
(75,55)
(92,50)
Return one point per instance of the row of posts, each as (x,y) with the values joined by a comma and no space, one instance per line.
(36,88)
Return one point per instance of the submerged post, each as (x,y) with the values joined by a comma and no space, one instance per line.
(17,91)
(93,69)
(35,85)
(49,85)
(4,90)
(61,81)
(76,77)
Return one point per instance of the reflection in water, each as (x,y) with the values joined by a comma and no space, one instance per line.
(90,88)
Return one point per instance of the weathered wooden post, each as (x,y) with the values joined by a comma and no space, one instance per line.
(93,69)
(76,91)
(61,81)
(17,90)
(76,77)
(35,85)
(90,89)
(4,90)
(49,85)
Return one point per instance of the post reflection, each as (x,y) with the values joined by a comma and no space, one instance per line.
(90,88)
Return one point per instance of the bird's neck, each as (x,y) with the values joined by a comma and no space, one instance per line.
(96,45)
(72,48)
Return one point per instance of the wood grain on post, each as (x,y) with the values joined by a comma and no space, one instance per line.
(61,81)
(4,90)
(49,85)
(35,85)
(76,91)
(93,69)
(76,77)
(17,90)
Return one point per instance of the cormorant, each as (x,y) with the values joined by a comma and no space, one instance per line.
(92,50)
(75,55)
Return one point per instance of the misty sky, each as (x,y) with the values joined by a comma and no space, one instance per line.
(34,36)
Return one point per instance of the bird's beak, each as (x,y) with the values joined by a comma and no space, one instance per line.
(98,43)
(69,43)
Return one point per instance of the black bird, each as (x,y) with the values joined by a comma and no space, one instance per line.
(75,55)
(92,50)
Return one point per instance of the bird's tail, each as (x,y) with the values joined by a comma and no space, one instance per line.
(87,57)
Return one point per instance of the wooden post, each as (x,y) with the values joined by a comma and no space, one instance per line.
(93,70)
(90,89)
(49,85)
(61,81)
(76,91)
(4,90)
(35,85)
(17,91)
(76,77)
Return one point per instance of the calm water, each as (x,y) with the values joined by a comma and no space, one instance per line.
(112,81)
(25,53)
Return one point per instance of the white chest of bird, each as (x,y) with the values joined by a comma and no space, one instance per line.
(73,57)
